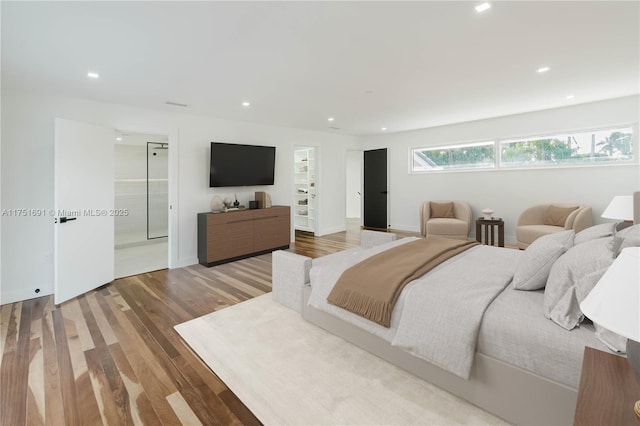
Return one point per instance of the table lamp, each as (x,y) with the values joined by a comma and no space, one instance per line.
(614,303)
(620,208)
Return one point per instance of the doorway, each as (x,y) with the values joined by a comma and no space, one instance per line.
(375,189)
(305,209)
(141,181)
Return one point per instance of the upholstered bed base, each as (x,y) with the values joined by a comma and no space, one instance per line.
(514,394)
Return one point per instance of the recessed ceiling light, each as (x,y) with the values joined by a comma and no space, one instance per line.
(570,96)
(330,119)
(118,138)
(246,104)
(543,69)
(482,7)
(383,129)
(93,74)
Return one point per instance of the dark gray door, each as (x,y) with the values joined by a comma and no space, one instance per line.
(375,189)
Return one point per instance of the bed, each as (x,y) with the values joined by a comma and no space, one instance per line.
(514,362)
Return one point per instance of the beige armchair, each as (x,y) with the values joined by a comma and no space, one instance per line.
(450,219)
(545,219)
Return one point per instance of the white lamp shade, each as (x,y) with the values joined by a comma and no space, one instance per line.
(614,302)
(621,208)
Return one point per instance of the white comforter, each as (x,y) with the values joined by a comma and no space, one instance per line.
(437,316)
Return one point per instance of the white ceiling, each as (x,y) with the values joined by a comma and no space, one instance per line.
(399,65)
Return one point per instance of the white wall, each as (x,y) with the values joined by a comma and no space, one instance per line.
(508,192)
(354,183)
(27,176)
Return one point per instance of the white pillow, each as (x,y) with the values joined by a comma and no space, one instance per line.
(593,232)
(571,279)
(534,267)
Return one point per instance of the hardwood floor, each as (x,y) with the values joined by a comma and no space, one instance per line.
(111,356)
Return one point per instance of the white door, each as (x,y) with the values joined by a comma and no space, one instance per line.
(84,202)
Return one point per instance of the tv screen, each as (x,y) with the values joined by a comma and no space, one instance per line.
(241,165)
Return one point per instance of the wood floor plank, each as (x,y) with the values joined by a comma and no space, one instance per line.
(14,380)
(5,314)
(182,409)
(164,292)
(54,413)
(79,340)
(101,321)
(110,412)
(10,403)
(112,388)
(151,314)
(13,327)
(36,399)
(87,402)
(247,290)
(71,310)
(138,413)
(208,377)
(67,378)
(34,416)
(246,417)
(193,296)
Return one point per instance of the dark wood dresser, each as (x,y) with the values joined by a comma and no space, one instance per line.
(224,237)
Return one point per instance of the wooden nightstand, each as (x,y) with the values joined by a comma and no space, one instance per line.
(488,225)
(608,390)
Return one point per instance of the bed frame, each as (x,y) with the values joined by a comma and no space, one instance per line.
(512,393)
(516,395)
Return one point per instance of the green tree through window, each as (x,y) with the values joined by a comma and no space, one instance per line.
(588,147)
(599,146)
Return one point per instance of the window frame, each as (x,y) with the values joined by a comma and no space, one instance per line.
(493,142)
(635,144)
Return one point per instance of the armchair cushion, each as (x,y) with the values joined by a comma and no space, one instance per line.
(557,215)
(444,210)
(447,227)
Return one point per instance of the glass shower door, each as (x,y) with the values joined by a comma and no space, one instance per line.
(157,190)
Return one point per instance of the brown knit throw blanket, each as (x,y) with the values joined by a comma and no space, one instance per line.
(372,287)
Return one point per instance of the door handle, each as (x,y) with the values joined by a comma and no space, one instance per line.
(65,219)
(384,192)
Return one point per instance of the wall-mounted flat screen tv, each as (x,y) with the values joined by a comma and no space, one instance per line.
(241,165)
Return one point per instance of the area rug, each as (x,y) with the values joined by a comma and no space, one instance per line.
(290,372)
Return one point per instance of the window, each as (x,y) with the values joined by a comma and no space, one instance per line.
(469,156)
(601,146)
(605,146)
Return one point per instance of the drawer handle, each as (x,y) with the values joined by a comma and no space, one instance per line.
(240,221)
(267,217)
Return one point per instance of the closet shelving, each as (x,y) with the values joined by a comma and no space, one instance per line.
(304,212)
